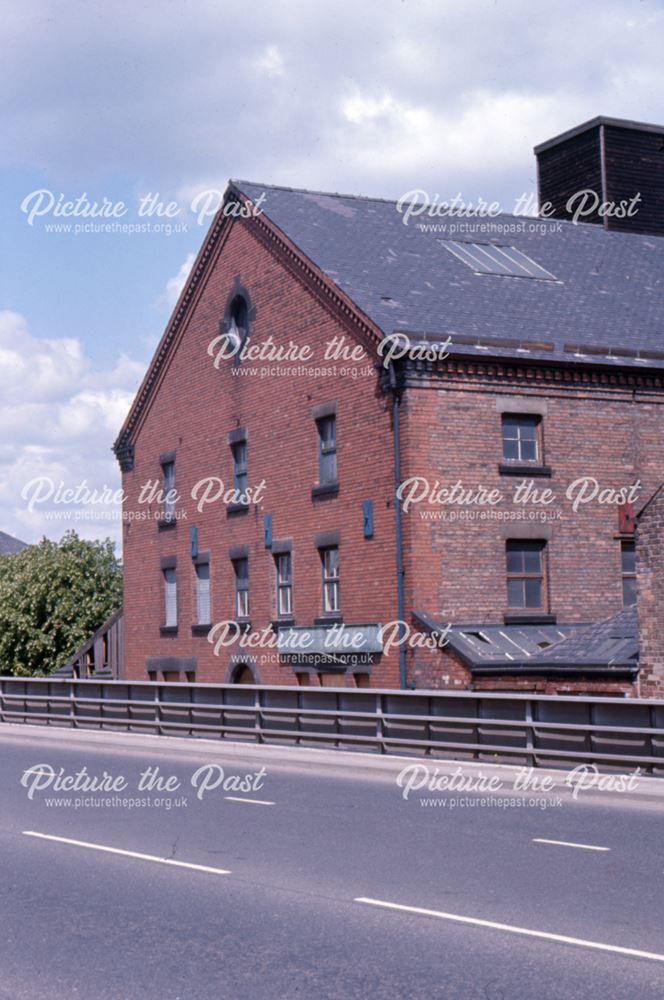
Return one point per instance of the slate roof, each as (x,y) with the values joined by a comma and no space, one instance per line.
(10,546)
(608,297)
(608,647)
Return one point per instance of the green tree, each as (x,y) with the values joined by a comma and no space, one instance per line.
(54,596)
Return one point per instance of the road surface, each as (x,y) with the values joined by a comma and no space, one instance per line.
(316,878)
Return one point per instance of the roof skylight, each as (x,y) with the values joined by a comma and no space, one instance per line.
(489,258)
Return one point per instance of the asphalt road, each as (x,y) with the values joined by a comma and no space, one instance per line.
(284,896)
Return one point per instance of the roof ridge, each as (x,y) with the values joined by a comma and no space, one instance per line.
(460,238)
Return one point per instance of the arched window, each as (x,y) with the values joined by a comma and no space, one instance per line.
(239,314)
(243,674)
(234,327)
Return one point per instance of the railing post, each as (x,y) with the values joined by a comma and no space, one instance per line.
(531,760)
(157,710)
(258,720)
(72,705)
(380,728)
(652,718)
(298,720)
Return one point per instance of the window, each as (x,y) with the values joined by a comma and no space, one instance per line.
(243,674)
(525,574)
(489,258)
(168,469)
(239,315)
(239,450)
(327,433)
(171,598)
(521,438)
(203,611)
(241,568)
(628,557)
(331,598)
(284,585)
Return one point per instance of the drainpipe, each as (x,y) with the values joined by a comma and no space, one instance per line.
(396,402)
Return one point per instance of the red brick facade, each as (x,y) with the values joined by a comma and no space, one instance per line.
(650,568)
(595,424)
(192,413)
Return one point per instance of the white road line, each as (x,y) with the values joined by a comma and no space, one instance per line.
(616,949)
(127,854)
(569,843)
(254,802)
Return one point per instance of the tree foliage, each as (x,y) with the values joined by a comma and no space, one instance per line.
(54,596)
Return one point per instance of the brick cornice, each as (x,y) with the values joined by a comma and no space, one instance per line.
(499,372)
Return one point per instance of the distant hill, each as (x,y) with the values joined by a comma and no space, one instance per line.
(10,546)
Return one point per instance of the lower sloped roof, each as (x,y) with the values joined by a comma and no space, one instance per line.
(609,646)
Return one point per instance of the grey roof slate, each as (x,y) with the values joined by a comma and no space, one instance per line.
(10,546)
(609,292)
(608,646)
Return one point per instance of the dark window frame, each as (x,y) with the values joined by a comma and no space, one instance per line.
(197,568)
(331,581)
(511,420)
(242,608)
(327,449)
(240,465)
(522,575)
(628,571)
(284,584)
(169,575)
(169,490)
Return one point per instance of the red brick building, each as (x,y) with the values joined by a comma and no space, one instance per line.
(360,416)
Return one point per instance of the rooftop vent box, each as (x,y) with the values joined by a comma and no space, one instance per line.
(616,160)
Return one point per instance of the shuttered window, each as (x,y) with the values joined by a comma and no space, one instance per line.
(171,597)
(203,609)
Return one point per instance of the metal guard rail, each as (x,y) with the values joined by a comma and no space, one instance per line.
(533,729)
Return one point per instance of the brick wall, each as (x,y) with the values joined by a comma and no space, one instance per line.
(451,430)
(192,413)
(650,603)
(457,568)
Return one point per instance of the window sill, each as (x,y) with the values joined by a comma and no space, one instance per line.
(325,490)
(244,624)
(528,618)
(236,508)
(168,630)
(166,523)
(199,629)
(282,623)
(331,619)
(523,469)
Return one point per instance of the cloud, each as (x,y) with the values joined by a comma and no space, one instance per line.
(271,62)
(59,416)
(378,97)
(175,284)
